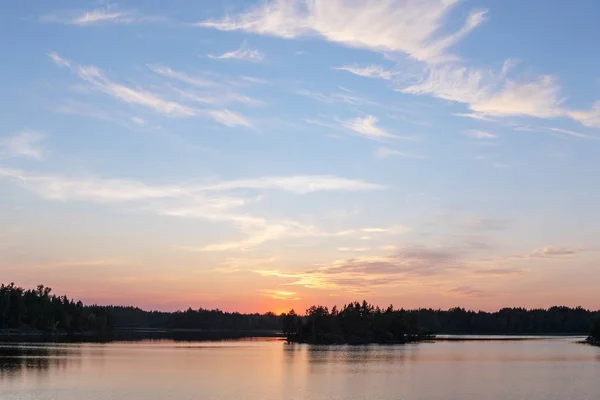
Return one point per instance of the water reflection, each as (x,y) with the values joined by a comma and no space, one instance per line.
(269,369)
(36,358)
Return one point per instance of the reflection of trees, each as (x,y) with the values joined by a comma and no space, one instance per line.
(37,359)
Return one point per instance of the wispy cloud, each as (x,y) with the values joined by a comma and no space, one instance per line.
(280,294)
(229,118)
(556,131)
(119,117)
(490,94)
(553,252)
(301,184)
(589,117)
(244,53)
(360,273)
(476,134)
(383,26)
(213,91)
(368,128)
(345,96)
(96,80)
(216,201)
(109,14)
(369,71)
(385,152)
(468,291)
(117,190)
(23,144)
(181,76)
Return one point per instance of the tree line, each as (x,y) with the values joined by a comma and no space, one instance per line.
(594,337)
(364,323)
(39,309)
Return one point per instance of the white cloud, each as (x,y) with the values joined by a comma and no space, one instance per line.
(99,16)
(23,144)
(589,117)
(455,83)
(384,152)
(300,184)
(560,131)
(97,81)
(229,118)
(476,134)
(347,97)
(280,294)
(243,53)
(255,80)
(369,71)
(367,128)
(120,190)
(490,94)
(220,93)
(538,98)
(169,73)
(412,27)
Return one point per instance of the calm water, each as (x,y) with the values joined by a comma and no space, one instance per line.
(549,369)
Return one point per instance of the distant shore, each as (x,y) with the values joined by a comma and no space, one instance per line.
(128,334)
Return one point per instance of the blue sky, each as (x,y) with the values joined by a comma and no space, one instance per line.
(269,155)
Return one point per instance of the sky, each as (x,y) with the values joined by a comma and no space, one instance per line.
(263,156)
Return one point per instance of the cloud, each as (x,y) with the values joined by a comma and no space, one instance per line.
(369,71)
(467,291)
(589,117)
(220,93)
(347,97)
(367,128)
(115,116)
(299,184)
(280,294)
(23,144)
(119,190)
(475,134)
(385,152)
(538,98)
(552,252)
(169,73)
(490,94)
(244,53)
(255,80)
(229,118)
(414,28)
(559,131)
(212,202)
(99,16)
(96,80)
(374,271)
(259,231)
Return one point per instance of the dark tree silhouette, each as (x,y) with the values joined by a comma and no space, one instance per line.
(39,310)
(355,323)
(594,337)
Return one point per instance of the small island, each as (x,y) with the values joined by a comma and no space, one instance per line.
(355,323)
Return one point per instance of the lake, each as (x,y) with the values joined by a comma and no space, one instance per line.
(269,368)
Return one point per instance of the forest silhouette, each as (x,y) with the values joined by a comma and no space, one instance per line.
(39,311)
